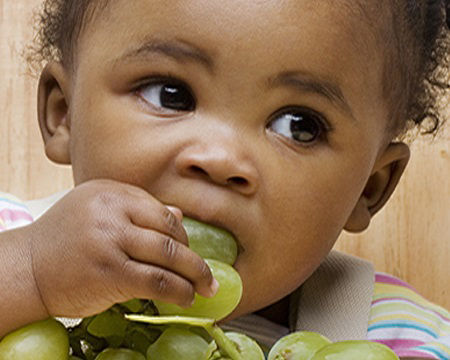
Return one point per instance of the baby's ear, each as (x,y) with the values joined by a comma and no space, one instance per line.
(53,112)
(385,176)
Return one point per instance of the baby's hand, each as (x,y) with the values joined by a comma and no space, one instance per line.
(107,242)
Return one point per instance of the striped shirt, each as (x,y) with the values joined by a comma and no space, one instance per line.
(399,318)
(13,212)
(406,322)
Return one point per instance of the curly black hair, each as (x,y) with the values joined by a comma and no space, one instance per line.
(419,56)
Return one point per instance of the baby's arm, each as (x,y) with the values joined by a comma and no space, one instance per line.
(104,242)
(20,303)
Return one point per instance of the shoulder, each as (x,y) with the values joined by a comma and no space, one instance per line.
(407,322)
(13,212)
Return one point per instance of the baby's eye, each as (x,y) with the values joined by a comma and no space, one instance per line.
(301,125)
(168,94)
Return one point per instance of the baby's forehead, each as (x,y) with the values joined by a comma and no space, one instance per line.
(361,18)
(353,25)
(353,19)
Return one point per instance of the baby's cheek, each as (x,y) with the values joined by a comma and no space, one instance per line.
(284,264)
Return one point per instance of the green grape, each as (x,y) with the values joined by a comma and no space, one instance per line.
(355,350)
(176,343)
(108,324)
(222,304)
(211,242)
(200,331)
(119,354)
(133,305)
(247,348)
(209,325)
(300,345)
(139,337)
(43,340)
(74,358)
(82,343)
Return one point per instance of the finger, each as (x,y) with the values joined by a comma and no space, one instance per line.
(176,211)
(145,281)
(147,212)
(151,247)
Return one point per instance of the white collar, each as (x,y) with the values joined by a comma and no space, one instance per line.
(39,206)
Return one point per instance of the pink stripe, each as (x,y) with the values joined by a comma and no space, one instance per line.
(389,279)
(389,299)
(400,347)
(13,215)
(417,353)
(397,344)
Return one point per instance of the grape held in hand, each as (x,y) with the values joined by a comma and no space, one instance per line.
(217,307)
(219,249)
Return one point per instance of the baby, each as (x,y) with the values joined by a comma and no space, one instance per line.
(274,120)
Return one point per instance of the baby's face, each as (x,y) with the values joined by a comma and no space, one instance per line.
(262,117)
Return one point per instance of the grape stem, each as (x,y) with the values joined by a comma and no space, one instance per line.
(163,320)
(222,341)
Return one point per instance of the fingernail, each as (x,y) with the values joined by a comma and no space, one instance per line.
(176,211)
(214,287)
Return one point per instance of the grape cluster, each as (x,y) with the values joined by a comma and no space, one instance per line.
(153,330)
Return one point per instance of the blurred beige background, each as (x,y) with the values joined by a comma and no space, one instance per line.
(409,238)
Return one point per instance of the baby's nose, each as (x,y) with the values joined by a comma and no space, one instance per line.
(216,163)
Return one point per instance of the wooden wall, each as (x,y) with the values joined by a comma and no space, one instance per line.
(409,238)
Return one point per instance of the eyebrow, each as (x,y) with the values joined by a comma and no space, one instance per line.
(305,82)
(182,51)
(176,49)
